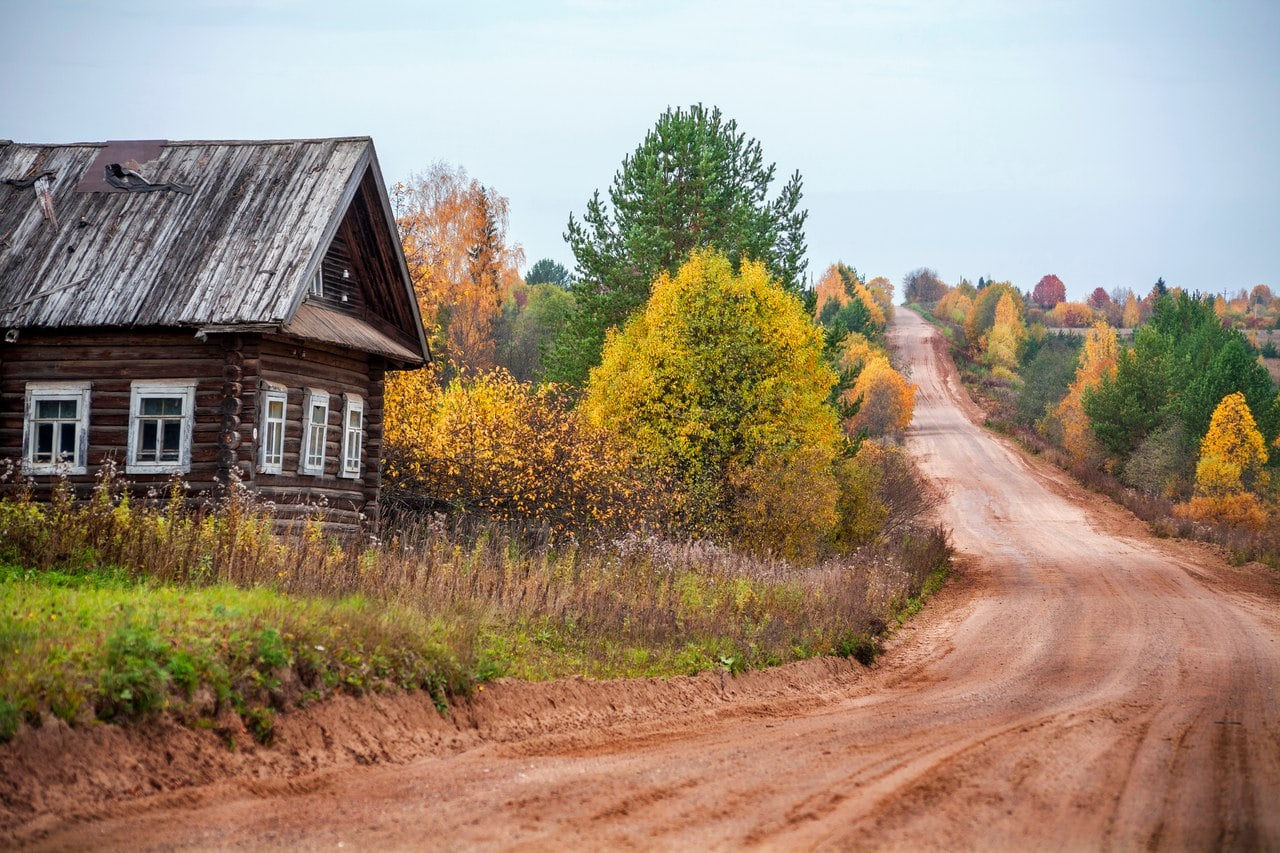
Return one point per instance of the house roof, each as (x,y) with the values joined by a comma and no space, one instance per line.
(203,234)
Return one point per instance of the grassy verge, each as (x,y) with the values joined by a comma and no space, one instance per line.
(99,644)
(112,609)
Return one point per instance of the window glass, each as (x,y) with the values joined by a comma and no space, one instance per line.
(316,434)
(55,432)
(273,417)
(45,442)
(160,429)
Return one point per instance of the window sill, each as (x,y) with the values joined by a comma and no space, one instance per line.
(143,468)
(45,469)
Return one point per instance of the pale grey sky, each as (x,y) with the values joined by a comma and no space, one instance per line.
(1104,141)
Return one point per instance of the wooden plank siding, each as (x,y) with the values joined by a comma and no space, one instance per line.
(112,360)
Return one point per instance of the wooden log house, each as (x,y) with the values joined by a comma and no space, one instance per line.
(207,309)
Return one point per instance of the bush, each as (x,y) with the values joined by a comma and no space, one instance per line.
(785,504)
(497,447)
(136,679)
(1161,464)
(1240,510)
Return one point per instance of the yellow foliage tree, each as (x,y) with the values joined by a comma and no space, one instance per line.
(719,375)
(410,403)
(833,287)
(1231,472)
(1070,315)
(881,289)
(886,399)
(1097,359)
(855,352)
(1002,345)
(1233,453)
(830,288)
(1132,315)
(954,307)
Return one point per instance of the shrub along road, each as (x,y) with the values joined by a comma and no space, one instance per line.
(1077,685)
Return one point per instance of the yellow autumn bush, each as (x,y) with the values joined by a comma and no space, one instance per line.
(955,306)
(1003,343)
(785,503)
(498,447)
(886,400)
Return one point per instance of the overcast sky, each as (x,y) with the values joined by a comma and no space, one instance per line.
(1104,141)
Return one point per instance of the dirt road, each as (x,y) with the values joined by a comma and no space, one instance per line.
(1073,687)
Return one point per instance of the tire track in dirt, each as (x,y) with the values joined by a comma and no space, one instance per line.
(1077,685)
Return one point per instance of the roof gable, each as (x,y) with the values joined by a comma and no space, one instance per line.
(237,250)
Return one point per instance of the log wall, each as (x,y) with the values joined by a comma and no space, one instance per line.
(111,360)
(230,371)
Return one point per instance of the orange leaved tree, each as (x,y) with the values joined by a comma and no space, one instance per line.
(885,399)
(1097,359)
(454,233)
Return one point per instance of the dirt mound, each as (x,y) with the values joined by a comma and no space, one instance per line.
(53,774)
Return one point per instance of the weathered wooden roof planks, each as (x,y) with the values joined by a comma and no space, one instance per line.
(202,234)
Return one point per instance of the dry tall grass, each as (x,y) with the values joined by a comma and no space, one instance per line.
(501,581)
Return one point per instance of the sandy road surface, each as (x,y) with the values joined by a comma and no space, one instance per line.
(1071,689)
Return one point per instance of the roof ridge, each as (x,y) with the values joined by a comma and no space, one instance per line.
(167,142)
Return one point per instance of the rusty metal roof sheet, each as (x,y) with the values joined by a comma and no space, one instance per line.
(239,249)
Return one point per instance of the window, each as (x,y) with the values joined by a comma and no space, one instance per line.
(315,432)
(352,436)
(317,282)
(161,414)
(274,405)
(55,432)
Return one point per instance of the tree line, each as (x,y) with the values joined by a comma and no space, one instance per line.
(680,378)
(1185,409)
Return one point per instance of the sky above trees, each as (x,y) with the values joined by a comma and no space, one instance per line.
(1107,143)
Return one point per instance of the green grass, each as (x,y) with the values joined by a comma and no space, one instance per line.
(94,645)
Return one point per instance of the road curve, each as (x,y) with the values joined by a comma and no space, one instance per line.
(1077,686)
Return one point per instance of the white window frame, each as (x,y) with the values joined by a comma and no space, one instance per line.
(266,439)
(316,287)
(78,392)
(308,463)
(352,439)
(147,389)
